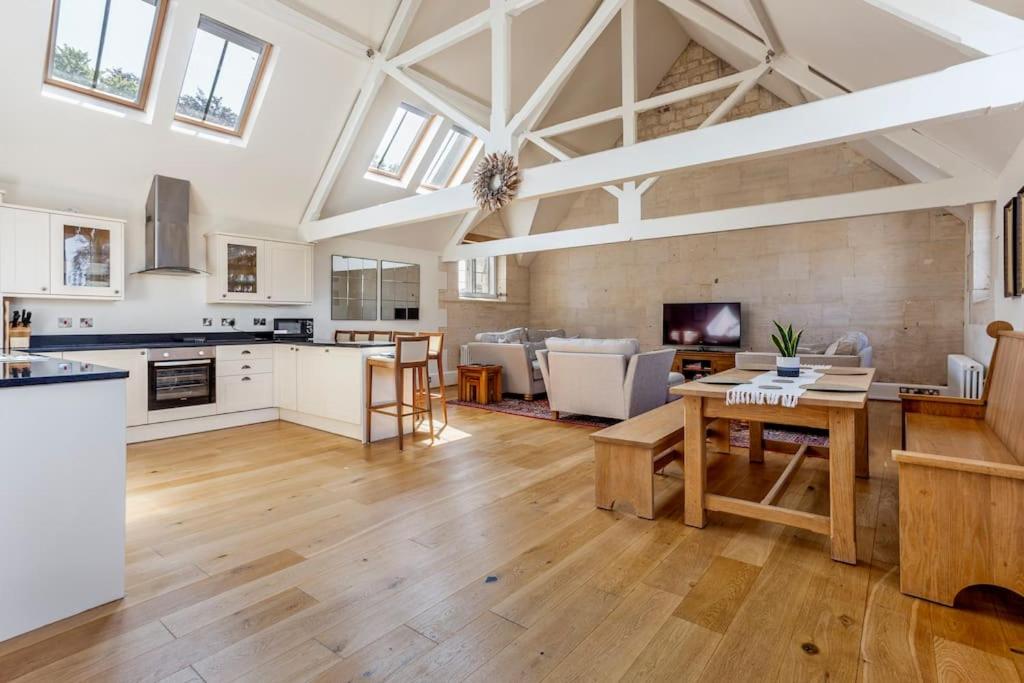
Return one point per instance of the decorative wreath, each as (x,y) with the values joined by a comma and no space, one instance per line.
(497,180)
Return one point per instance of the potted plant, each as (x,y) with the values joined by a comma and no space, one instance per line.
(787,342)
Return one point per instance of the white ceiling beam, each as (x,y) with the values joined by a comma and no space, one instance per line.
(475,109)
(768,32)
(517,7)
(470,220)
(972,88)
(444,40)
(627,20)
(549,88)
(973,28)
(928,150)
(501,78)
(649,103)
(735,97)
(558,153)
(721,27)
(310,26)
(914,197)
(396,33)
(434,100)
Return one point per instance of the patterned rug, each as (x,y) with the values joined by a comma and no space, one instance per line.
(540,409)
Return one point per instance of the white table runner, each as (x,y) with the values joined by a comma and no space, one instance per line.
(770,389)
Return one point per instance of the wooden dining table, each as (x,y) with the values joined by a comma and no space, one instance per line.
(842,413)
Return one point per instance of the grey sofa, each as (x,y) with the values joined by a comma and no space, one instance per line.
(515,350)
(851,350)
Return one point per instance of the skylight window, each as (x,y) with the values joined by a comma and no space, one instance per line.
(223,74)
(400,143)
(105,48)
(451,162)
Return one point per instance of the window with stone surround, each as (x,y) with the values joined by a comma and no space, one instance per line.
(478,278)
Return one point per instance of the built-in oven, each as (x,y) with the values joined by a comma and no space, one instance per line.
(293,329)
(182,377)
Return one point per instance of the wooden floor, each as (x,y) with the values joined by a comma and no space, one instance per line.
(279,553)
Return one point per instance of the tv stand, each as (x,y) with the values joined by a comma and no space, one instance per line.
(702,361)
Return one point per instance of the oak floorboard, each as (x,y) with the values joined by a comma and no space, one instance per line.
(332,561)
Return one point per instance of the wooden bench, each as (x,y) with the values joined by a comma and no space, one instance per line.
(961,484)
(627,455)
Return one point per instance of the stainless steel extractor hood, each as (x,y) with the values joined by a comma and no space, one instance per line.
(167,228)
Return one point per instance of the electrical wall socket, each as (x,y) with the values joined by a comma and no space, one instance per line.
(63,323)
(207,322)
(85,323)
(259,322)
(227,322)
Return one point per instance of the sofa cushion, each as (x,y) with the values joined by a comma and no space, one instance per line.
(532,347)
(675,378)
(621,347)
(535,335)
(516,335)
(537,375)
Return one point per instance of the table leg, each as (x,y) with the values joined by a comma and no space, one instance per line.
(841,477)
(861,425)
(695,461)
(756,450)
(624,474)
(485,396)
(720,431)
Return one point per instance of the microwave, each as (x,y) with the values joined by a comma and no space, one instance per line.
(293,329)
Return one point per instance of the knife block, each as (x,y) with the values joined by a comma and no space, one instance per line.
(14,337)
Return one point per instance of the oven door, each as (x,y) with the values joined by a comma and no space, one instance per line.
(180,383)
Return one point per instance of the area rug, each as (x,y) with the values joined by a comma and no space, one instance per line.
(740,436)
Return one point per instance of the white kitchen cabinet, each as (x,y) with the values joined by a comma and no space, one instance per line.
(86,256)
(242,270)
(236,393)
(24,252)
(291,272)
(135,363)
(286,376)
(44,254)
(326,377)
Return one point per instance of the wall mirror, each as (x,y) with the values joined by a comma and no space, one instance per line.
(353,288)
(399,291)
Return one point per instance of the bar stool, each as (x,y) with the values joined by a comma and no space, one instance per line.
(410,354)
(436,354)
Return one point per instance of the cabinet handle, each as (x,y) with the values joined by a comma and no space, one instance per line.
(43,288)
(223,296)
(246,367)
(247,379)
(246,352)
(117,291)
(268,297)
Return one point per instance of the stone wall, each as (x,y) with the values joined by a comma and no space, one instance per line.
(898,277)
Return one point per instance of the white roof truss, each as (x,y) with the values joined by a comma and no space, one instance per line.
(972,88)
(973,28)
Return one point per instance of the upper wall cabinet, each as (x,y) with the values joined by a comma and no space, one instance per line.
(52,255)
(258,271)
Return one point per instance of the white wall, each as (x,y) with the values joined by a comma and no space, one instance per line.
(976,342)
(432,280)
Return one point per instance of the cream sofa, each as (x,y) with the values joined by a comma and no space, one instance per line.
(851,350)
(605,377)
(515,350)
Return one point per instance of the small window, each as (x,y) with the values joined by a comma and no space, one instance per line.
(478,278)
(400,142)
(105,48)
(223,74)
(451,161)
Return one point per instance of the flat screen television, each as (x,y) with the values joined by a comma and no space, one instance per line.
(701,325)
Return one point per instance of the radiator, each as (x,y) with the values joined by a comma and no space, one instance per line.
(966,376)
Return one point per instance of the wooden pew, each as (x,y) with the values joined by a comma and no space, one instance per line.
(961,483)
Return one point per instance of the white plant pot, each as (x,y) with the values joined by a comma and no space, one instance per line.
(787,367)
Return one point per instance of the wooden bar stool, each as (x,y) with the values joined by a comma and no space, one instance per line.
(410,354)
(436,354)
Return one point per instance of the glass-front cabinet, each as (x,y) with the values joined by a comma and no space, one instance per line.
(87,256)
(243,269)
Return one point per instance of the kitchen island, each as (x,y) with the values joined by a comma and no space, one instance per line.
(62,490)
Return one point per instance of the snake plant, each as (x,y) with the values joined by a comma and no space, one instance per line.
(786,341)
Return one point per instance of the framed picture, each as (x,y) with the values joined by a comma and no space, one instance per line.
(1018,242)
(1011,251)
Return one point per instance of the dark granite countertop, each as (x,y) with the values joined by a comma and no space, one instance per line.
(53,371)
(58,343)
